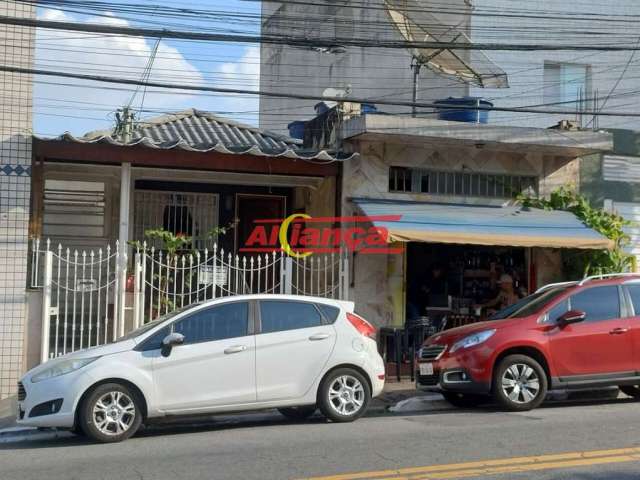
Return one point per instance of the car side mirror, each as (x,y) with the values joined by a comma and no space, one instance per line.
(172,340)
(572,316)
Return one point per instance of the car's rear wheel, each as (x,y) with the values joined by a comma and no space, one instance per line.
(344,395)
(631,390)
(110,413)
(298,413)
(464,400)
(519,383)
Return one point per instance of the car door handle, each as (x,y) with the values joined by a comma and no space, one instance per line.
(235,349)
(618,331)
(319,336)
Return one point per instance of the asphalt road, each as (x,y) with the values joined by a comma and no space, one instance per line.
(592,441)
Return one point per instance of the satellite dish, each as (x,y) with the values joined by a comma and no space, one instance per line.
(469,66)
(337,92)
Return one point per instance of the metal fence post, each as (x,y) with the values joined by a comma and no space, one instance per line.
(46,305)
(122,290)
(344,275)
(287,276)
(137,308)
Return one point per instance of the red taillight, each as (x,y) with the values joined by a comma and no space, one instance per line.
(364,327)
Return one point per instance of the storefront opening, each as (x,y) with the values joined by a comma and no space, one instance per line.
(451,285)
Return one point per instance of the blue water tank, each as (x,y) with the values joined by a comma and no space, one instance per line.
(296,129)
(368,108)
(470,114)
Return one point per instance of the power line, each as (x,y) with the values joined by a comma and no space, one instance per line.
(235,91)
(301,41)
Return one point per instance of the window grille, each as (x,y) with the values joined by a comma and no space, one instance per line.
(434,182)
(193,215)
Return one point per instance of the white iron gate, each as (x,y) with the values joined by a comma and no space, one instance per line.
(93,297)
(82,296)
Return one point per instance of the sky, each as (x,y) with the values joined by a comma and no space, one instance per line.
(63,105)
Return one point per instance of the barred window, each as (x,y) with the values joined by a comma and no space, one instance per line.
(434,182)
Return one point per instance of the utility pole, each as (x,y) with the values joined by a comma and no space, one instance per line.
(415,66)
(124,124)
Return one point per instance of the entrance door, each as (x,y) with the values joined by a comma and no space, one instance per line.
(601,344)
(216,364)
(250,208)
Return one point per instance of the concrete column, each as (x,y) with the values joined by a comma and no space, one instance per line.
(125,202)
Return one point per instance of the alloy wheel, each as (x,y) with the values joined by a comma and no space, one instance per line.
(346,395)
(114,413)
(520,383)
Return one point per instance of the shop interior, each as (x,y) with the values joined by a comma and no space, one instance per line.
(451,285)
(448,286)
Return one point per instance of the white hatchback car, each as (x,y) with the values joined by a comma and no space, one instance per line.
(239,353)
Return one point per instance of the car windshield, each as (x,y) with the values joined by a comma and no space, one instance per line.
(148,326)
(529,305)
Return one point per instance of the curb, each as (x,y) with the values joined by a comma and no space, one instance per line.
(20,434)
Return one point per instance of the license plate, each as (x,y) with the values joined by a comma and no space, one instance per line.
(426,369)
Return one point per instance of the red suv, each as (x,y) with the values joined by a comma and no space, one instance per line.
(575,335)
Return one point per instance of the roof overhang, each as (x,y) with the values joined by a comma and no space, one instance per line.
(60,150)
(423,131)
(481,225)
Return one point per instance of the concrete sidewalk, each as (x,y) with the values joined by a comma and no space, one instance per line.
(8,412)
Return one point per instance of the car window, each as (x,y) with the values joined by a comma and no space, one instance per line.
(558,310)
(154,342)
(634,293)
(599,303)
(529,305)
(278,316)
(148,326)
(329,311)
(229,320)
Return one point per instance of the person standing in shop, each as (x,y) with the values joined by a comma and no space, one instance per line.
(507,295)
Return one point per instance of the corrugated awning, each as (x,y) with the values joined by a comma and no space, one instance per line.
(482,225)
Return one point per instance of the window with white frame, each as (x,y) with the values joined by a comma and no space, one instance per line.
(565,83)
(189,214)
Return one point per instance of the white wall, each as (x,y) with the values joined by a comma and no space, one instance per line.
(525,69)
(375,73)
(371,72)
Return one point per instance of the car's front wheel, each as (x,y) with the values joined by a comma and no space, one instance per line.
(631,390)
(298,413)
(344,395)
(519,383)
(110,413)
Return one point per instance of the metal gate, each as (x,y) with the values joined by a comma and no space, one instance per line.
(93,297)
(82,296)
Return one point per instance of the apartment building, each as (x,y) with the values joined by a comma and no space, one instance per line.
(565,80)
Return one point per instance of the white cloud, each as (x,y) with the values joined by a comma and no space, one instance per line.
(243,74)
(107,55)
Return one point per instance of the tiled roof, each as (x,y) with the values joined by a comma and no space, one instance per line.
(199,131)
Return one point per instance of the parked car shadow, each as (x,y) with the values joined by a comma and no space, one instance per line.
(268,419)
(173,427)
